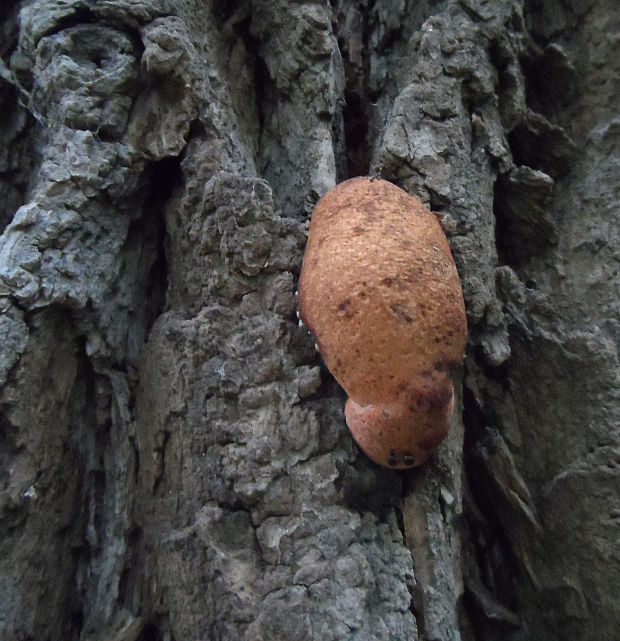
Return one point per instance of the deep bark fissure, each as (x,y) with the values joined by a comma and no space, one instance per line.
(352,26)
(163,178)
(18,156)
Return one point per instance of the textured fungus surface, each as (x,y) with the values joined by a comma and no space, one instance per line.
(380,291)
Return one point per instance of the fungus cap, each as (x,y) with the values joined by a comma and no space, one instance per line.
(380,291)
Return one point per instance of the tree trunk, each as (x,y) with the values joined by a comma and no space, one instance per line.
(174,458)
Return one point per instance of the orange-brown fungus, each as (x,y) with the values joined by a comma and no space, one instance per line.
(380,291)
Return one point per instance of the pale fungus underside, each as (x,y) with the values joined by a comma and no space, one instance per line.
(380,291)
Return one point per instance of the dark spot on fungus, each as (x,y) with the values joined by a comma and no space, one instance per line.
(402,312)
(343,308)
(392,458)
(437,399)
(408,459)
(388,282)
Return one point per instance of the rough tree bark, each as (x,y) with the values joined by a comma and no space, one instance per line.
(174,460)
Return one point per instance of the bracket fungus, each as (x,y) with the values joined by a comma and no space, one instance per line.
(380,291)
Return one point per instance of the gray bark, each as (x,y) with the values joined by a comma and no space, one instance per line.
(174,462)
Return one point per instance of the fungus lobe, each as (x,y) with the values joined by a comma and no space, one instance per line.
(380,291)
